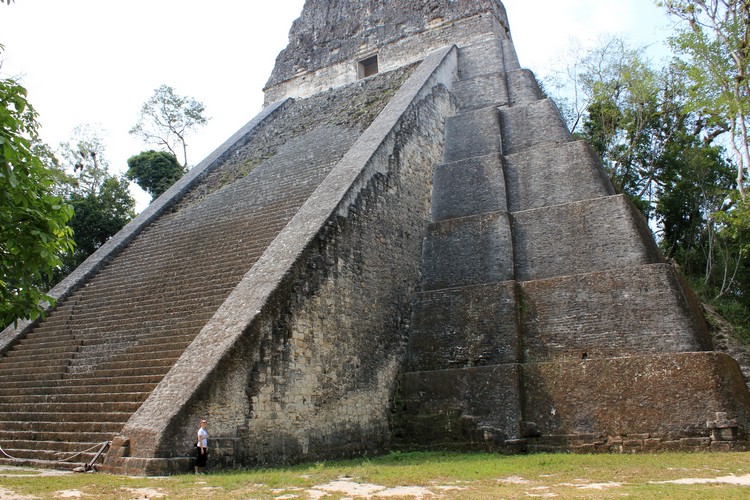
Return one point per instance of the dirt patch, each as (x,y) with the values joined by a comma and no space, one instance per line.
(736,480)
(349,487)
(145,493)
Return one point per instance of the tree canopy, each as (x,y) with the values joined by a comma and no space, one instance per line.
(154,171)
(166,119)
(34,235)
(101,202)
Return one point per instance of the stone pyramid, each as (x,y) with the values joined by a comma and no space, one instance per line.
(404,249)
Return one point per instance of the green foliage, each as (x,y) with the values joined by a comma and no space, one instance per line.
(101,202)
(713,37)
(166,118)
(33,231)
(98,216)
(154,171)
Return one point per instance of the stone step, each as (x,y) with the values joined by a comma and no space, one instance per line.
(52,455)
(522,87)
(161,284)
(587,236)
(62,425)
(168,296)
(96,380)
(181,257)
(40,464)
(42,367)
(481,58)
(481,91)
(76,397)
(474,133)
(128,359)
(468,187)
(17,354)
(74,407)
(530,125)
(464,327)
(553,174)
(35,378)
(93,320)
(55,417)
(160,362)
(53,445)
(116,373)
(78,389)
(40,339)
(465,408)
(467,251)
(6,436)
(627,311)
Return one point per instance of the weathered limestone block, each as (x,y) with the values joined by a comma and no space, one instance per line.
(482,58)
(522,87)
(621,312)
(467,251)
(531,124)
(510,58)
(668,396)
(468,408)
(468,187)
(464,327)
(474,133)
(481,91)
(581,237)
(552,174)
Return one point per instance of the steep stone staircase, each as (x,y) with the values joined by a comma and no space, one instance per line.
(530,258)
(73,381)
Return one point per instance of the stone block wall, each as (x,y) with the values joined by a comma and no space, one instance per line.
(626,311)
(321,384)
(644,403)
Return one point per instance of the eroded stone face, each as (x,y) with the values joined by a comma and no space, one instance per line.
(331,37)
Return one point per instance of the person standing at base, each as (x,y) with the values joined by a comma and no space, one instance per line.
(201,447)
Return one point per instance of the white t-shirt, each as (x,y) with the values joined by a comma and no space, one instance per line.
(203,437)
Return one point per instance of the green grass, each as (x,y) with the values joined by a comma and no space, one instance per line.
(447,475)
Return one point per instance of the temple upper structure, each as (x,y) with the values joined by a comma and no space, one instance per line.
(335,42)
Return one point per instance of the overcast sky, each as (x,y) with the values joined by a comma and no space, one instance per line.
(96,62)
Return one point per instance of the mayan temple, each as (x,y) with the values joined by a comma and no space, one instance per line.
(405,249)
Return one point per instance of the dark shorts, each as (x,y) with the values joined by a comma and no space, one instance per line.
(201,458)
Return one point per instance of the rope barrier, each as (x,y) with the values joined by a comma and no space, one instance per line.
(80,452)
(3,452)
(100,446)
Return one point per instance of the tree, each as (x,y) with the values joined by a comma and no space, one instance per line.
(154,171)
(660,151)
(34,234)
(101,202)
(715,37)
(166,118)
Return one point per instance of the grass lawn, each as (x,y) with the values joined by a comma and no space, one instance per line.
(423,475)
